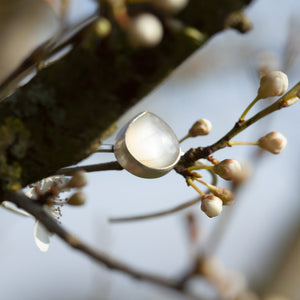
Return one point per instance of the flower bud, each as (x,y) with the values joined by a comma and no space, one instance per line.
(77,199)
(211,205)
(78,180)
(273,84)
(228,169)
(273,142)
(201,127)
(225,195)
(145,30)
(170,6)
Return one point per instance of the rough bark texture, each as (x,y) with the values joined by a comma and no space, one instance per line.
(60,116)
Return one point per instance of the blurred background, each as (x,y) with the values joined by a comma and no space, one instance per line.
(253,244)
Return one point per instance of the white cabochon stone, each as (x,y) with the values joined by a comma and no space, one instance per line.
(152,142)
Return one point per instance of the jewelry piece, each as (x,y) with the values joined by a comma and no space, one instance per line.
(146,146)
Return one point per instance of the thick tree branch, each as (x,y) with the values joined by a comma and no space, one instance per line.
(60,117)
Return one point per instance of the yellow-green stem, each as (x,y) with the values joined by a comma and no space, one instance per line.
(184,138)
(232,143)
(210,187)
(192,168)
(203,182)
(242,118)
(192,184)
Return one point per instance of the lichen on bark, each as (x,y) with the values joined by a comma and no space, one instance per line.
(14,142)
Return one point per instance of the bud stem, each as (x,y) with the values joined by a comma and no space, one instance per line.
(211,188)
(242,118)
(184,138)
(203,182)
(192,168)
(192,184)
(232,143)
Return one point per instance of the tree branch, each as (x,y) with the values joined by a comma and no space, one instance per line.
(109,166)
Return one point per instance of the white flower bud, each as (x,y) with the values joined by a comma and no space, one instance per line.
(145,30)
(201,127)
(228,169)
(225,195)
(274,142)
(273,84)
(211,205)
(170,6)
(77,199)
(78,180)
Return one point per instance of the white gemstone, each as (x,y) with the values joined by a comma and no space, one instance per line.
(152,142)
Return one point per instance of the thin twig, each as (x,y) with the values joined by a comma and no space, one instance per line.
(168,211)
(109,166)
(157,214)
(36,210)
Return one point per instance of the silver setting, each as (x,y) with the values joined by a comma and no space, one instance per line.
(147,147)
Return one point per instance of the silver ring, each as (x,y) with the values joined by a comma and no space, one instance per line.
(147,147)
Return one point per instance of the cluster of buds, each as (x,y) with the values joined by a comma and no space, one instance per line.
(78,181)
(231,169)
(212,205)
(48,192)
(272,84)
(49,189)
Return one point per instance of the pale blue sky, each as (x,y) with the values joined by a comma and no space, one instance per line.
(215,83)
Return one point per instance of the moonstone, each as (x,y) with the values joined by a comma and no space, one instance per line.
(152,142)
